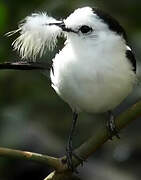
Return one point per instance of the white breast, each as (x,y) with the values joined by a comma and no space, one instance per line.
(92,80)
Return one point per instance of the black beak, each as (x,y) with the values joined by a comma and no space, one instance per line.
(62,26)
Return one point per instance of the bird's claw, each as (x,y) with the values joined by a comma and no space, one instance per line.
(80,159)
(112,130)
(69,156)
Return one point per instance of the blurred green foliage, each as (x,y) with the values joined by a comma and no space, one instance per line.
(3,16)
(33,117)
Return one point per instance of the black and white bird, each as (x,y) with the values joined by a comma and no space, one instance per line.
(96,69)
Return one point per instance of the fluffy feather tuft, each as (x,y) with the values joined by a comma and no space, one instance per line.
(36,35)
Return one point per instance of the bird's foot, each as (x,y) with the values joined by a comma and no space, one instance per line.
(111,126)
(69,156)
(69,150)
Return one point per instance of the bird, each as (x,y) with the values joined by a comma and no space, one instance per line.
(94,71)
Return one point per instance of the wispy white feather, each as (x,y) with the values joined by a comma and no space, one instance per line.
(36,35)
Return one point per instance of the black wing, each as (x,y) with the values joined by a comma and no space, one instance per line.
(115,26)
(131,57)
(112,23)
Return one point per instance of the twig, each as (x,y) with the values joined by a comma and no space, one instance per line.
(25,155)
(85,150)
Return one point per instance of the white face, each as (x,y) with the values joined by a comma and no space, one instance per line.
(86,25)
(86,30)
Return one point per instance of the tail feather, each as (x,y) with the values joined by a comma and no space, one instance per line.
(25,66)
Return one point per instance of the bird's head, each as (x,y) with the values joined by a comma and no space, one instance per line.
(85,26)
(91,25)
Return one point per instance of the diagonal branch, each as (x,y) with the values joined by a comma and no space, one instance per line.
(85,150)
(101,135)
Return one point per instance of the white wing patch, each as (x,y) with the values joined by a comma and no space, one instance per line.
(128,48)
(36,35)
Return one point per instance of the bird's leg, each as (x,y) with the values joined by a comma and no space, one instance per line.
(111,126)
(69,148)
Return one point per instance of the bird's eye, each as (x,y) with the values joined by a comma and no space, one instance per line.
(85,29)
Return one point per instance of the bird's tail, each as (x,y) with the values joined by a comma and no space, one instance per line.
(25,66)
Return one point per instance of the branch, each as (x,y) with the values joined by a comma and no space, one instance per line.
(25,155)
(101,135)
(84,151)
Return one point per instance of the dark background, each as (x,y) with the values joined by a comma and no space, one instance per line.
(34,118)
